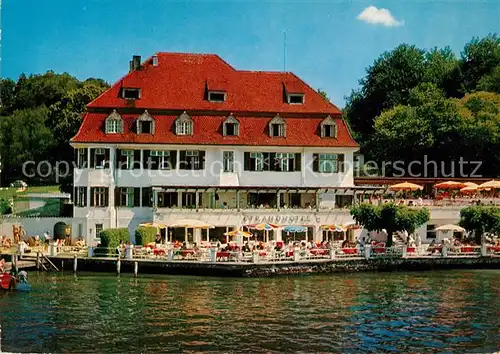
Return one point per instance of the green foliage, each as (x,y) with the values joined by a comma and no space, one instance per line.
(39,115)
(60,231)
(145,235)
(479,220)
(391,217)
(110,238)
(5,207)
(402,80)
(324,94)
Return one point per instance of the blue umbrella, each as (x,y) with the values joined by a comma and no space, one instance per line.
(293,228)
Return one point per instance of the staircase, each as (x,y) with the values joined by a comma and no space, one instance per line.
(398,240)
(42,262)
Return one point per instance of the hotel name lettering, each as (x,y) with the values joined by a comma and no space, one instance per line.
(279,219)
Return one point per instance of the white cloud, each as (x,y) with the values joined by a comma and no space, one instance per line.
(376,16)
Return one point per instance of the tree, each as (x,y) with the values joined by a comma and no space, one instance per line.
(480,220)
(490,82)
(324,94)
(479,58)
(391,217)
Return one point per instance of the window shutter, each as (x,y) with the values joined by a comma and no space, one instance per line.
(182,158)
(202,160)
(273,164)
(145,159)
(106,158)
(92,196)
(92,158)
(117,197)
(237,129)
(137,159)
(315,162)
(106,197)
(224,129)
(173,159)
(137,197)
(340,161)
(84,203)
(270,127)
(118,159)
(75,196)
(298,162)
(322,130)
(246,162)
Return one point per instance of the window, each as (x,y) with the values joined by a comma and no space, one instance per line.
(295,98)
(328,128)
(328,163)
(192,160)
(145,127)
(99,197)
(147,197)
(431,231)
(184,125)
(128,159)
(184,128)
(231,126)
(228,161)
(98,229)
(81,158)
(189,199)
(256,161)
(99,158)
(160,159)
(131,93)
(277,127)
(168,199)
(216,96)
(285,162)
(80,196)
(113,126)
(127,197)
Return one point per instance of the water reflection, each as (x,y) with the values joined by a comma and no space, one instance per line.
(409,312)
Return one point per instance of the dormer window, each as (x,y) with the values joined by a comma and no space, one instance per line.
(277,127)
(216,96)
(231,126)
(184,125)
(114,123)
(145,124)
(131,93)
(295,98)
(328,128)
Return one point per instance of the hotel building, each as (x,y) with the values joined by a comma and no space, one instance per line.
(187,136)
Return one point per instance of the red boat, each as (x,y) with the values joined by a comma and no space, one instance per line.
(7,281)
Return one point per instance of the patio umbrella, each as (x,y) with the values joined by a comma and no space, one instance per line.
(450,227)
(238,233)
(450,185)
(333,227)
(471,184)
(293,228)
(469,189)
(265,227)
(405,186)
(351,226)
(192,224)
(490,184)
(153,224)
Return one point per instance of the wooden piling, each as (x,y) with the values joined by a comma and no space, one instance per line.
(118,266)
(136,269)
(38,260)
(75,264)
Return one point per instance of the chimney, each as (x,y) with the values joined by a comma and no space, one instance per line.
(130,66)
(136,62)
(155,60)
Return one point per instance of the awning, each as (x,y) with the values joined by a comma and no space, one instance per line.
(153,224)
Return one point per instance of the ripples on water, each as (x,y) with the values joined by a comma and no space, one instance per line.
(376,312)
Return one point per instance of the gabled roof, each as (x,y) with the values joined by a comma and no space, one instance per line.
(301,131)
(179,82)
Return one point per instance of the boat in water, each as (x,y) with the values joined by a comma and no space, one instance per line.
(9,281)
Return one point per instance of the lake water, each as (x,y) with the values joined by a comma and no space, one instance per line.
(374,312)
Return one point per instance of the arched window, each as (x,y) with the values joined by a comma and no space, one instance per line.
(231,126)
(328,128)
(114,123)
(277,127)
(184,125)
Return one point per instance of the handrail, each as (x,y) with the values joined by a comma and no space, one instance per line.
(48,260)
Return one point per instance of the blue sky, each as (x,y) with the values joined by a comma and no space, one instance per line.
(327,45)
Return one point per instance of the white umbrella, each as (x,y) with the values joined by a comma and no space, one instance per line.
(450,227)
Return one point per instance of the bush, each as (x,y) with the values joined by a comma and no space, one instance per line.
(5,207)
(145,235)
(110,238)
(60,231)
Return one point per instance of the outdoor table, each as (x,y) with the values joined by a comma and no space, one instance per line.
(262,254)
(494,248)
(184,253)
(222,255)
(434,249)
(467,249)
(317,251)
(350,250)
(379,250)
(410,249)
(289,254)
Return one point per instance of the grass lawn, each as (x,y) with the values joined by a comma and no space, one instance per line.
(8,193)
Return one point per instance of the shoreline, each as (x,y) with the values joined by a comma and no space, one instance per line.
(270,269)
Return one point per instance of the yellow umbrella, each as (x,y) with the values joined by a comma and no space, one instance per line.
(450,227)
(238,233)
(152,224)
(470,189)
(471,184)
(490,184)
(450,185)
(192,224)
(405,186)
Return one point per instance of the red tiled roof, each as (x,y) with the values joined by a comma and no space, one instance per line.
(208,130)
(180,80)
